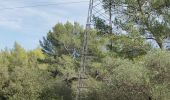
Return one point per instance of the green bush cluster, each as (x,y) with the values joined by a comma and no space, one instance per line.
(50,72)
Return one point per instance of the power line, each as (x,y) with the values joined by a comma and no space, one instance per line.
(28,2)
(99,13)
(41,5)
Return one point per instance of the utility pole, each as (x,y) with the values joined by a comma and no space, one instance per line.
(82,77)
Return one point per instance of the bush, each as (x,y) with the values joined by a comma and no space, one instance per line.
(158,64)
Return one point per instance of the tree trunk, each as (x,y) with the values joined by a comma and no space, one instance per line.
(160,43)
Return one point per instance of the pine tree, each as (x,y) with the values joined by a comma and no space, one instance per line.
(149,17)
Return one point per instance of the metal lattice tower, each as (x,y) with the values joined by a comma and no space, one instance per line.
(82,77)
(95,9)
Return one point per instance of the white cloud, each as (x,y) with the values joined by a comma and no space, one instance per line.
(48,15)
(36,21)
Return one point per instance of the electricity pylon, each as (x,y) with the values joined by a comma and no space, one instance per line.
(82,72)
(95,9)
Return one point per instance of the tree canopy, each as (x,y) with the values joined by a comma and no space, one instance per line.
(120,66)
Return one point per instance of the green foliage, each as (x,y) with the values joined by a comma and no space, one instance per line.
(122,80)
(64,39)
(149,17)
(56,90)
(22,77)
(130,46)
(62,49)
(100,26)
(50,72)
(158,65)
(19,56)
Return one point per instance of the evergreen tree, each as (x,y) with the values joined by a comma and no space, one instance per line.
(149,17)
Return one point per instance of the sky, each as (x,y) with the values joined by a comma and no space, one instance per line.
(28,25)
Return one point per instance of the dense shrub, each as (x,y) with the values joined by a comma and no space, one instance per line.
(158,64)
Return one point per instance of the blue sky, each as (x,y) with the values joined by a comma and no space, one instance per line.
(28,25)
